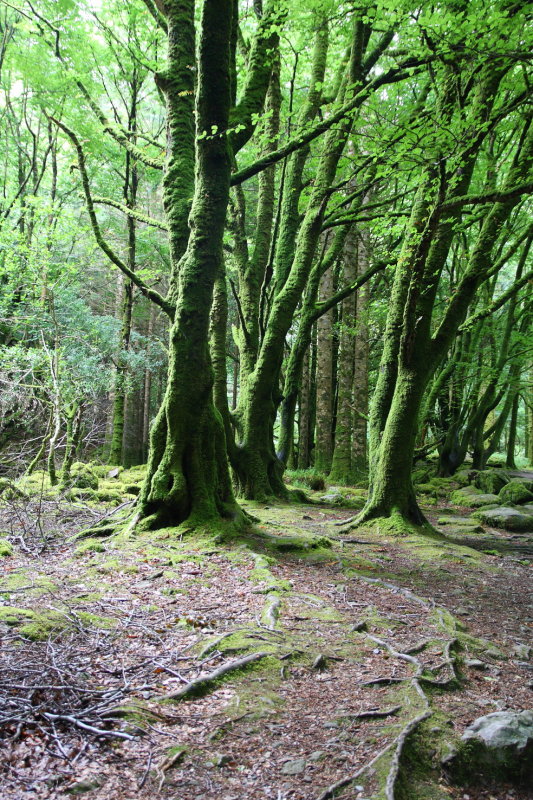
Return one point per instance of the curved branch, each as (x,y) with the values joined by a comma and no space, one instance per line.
(130,212)
(151,294)
(391,76)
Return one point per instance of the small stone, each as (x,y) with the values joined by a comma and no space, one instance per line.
(493,652)
(463,612)
(317,755)
(475,663)
(521,651)
(221,759)
(320,662)
(85,785)
(293,767)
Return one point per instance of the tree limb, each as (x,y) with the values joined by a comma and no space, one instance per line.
(131,212)
(151,294)
(391,76)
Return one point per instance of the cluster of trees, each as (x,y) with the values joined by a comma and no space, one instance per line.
(266,235)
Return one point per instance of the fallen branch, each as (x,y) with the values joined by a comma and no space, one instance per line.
(83,725)
(199,685)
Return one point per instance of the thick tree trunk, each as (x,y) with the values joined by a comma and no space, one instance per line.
(188,475)
(391,492)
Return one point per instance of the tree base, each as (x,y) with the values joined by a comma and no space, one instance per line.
(395,523)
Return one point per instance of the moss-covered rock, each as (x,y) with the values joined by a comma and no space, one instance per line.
(83,476)
(89,546)
(471,497)
(490,481)
(465,476)
(39,626)
(515,492)
(497,747)
(507,518)
(6,549)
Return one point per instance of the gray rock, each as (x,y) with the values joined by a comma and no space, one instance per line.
(293,767)
(498,746)
(475,663)
(507,518)
(502,729)
(335,498)
(221,759)
(478,500)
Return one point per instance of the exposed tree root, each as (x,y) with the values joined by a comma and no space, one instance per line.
(271,611)
(334,789)
(394,770)
(201,685)
(388,712)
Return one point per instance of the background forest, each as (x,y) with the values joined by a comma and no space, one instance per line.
(373,293)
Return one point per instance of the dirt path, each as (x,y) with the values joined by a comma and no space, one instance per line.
(360,649)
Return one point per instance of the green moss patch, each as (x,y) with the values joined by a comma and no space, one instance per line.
(6,548)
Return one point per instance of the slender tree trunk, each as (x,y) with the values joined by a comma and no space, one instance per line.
(304,415)
(341,467)
(147,391)
(511,440)
(74,428)
(324,380)
(361,367)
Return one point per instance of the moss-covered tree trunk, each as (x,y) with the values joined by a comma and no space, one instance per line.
(418,352)
(74,417)
(188,477)
(511,435)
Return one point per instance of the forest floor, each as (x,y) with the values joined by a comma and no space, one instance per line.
(361,661)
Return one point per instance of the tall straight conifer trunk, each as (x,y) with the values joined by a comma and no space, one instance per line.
(188,475)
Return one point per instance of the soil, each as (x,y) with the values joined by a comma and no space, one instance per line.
(358,639)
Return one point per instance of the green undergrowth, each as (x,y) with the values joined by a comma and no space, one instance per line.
(306,479)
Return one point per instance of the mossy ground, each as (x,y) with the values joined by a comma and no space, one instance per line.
(207,595)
